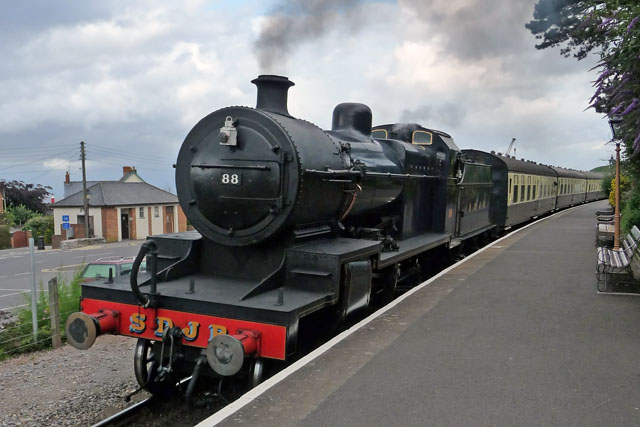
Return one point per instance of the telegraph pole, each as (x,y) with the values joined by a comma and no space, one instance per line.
(84,190)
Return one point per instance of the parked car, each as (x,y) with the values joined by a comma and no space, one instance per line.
(99,269)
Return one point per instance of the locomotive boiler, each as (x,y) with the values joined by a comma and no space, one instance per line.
(293,223)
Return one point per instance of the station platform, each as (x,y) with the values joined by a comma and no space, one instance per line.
(515,335)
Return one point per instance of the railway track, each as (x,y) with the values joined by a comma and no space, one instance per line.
(127,415)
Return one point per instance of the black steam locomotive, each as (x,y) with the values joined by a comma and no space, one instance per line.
(295,222)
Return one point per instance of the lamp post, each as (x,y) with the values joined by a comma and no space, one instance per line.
(614,123)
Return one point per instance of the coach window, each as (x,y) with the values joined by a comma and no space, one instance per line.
(515,194)
(379,133)
(421,137)
(534,192)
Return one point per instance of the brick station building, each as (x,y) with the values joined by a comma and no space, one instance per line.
(118,210)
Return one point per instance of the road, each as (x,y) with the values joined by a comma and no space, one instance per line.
(15,279)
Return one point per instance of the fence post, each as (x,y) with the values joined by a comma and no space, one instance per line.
(34,295)
(54,310)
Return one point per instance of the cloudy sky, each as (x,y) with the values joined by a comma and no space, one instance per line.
(132,78)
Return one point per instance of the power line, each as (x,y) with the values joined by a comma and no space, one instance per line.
(117,163)
(37,160)
(50,170)
(127,154)
(46,147)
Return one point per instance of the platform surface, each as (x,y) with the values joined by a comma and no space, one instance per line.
(515,336)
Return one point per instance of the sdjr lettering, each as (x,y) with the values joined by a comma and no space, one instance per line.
(137,325)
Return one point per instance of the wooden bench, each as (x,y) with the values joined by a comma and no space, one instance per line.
(614,266)
(604,228)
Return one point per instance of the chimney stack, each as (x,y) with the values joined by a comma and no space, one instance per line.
(126,170)
(67,178)
(272,93)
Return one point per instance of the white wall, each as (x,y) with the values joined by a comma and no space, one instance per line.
(142,224)
(73,213)
(156,223)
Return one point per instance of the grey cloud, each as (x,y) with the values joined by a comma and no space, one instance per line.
(475,29)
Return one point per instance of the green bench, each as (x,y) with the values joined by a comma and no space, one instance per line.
(615,266)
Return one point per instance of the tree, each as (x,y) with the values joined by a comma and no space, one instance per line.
(31,196)
(19,215)
(611,30)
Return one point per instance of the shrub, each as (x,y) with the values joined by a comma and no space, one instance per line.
(625,186)
(40,226)
(19,215)
(5,237)
(17,336)
(606,183)
(631,213)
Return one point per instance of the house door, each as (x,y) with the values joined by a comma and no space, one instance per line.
(124,225)
(169,219)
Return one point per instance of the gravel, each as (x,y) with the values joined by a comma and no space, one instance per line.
(68,387)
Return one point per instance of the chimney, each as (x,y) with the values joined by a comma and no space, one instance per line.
(67,178)
(126,170)
(272,93)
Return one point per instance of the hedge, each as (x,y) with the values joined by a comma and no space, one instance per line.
(5,237)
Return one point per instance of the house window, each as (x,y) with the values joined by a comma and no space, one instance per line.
(156,212)
(141,210)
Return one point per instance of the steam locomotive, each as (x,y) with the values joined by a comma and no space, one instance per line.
(297,223)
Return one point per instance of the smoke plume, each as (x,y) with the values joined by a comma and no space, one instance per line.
(294,22)
(441,116)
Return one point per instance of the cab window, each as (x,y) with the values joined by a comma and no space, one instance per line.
(421,137)
(379,133)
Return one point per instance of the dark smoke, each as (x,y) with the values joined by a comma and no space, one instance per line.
(440,116)
(295,22)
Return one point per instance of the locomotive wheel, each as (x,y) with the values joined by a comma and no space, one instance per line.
(389,280)
(256,373)
(145,367)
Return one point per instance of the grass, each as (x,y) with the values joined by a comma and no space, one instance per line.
(16,337)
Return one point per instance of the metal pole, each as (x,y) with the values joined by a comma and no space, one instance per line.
(34,296)
(84,191)
(616,235)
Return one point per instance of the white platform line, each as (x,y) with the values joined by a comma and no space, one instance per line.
(254,393)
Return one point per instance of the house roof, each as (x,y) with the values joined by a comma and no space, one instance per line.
(115,193)
(73,187)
